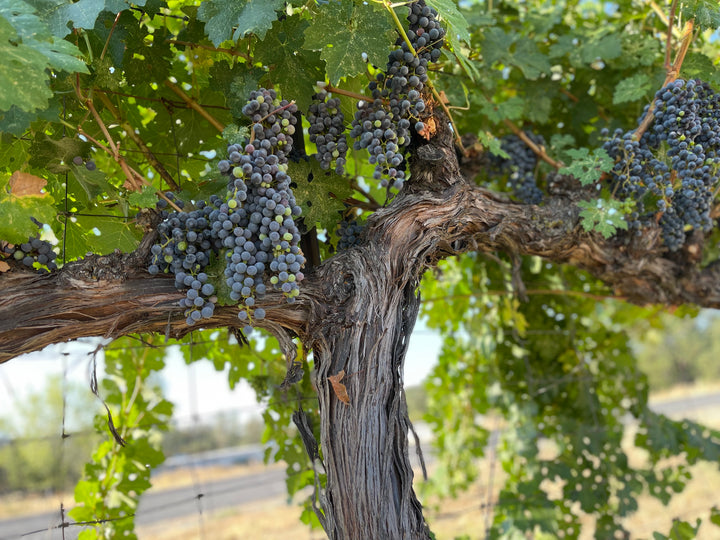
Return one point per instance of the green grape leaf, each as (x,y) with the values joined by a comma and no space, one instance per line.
(681,530)
(23,82)
(244,16)
(294,68)
(34,33)
(512,49)
(604,216)
(587,167)
(632,88)
(319,193)
(715,516)
(607,47)
(343,30)
(64,15)
(93,183)
(492,144)
(511,109)
(452,19)
(705,12)
(145,198)
(107,234)
(16,225)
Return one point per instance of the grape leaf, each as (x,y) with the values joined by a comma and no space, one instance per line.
(34,33)
(294,68)
(23,82)
(512,49)
(587,167)
(705,12)
(510,109)
(632,88)
(16,210)
(606,47)
(603,216)
(344,30)
(492,144)
(245,16)
(111,234)
(453,20)
(319,193)
(144,199)
(715,515)
(82,14)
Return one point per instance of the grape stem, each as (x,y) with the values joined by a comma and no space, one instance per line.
(366,194)
(333,90)
(107,41)
(539,150)
(399,26)
(268,115)
(195,106)
(672,73)
(668,42)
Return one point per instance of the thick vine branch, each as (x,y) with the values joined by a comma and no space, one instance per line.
(437,215)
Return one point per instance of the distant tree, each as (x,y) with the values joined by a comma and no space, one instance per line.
(35,457)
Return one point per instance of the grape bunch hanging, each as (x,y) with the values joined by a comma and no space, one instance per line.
(383,124)
(252,228)
(520,166)
(674,169)
(35,253)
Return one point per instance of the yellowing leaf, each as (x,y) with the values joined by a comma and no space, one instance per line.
(24,184)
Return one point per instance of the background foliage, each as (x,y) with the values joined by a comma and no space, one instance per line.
(155,86)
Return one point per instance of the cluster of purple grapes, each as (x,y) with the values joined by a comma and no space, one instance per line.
(327,131)
(185,247)
(674,169)
(253,226)
(349,233)
(382,125)
(519,167)
(33,251)
(262,238)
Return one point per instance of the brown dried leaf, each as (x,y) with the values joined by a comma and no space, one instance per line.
(25,184)
(429,130)
(338,387)
(4,267)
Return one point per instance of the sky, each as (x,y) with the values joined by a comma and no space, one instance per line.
(196,390)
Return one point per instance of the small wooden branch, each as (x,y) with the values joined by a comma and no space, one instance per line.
(539,151)
(195,106)
(668,41)
(159,167)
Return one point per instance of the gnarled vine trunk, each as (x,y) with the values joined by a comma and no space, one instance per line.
(364,433)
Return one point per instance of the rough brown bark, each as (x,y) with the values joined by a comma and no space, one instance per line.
(357,311)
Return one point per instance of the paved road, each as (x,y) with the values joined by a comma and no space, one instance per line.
(161,505)
(158,506)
